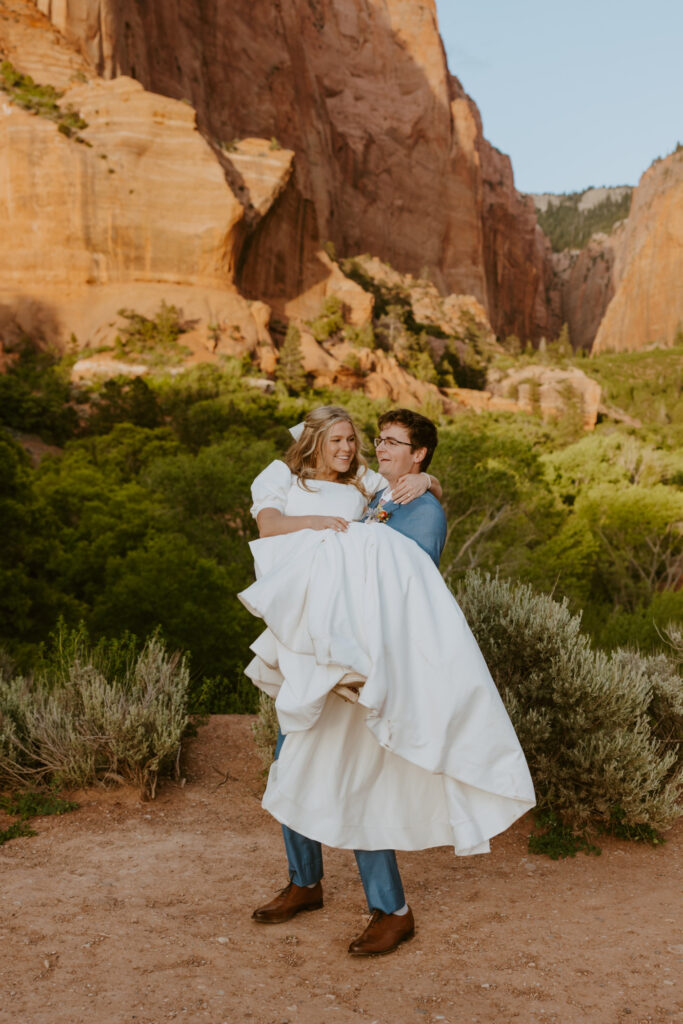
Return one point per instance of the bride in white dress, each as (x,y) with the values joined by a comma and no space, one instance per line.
(428,756)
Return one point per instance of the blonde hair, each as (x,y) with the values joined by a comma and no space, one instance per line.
(302,457)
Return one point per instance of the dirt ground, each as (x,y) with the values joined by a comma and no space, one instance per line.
(127,912)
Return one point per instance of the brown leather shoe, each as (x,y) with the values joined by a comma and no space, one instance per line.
(383,934)
(292,900)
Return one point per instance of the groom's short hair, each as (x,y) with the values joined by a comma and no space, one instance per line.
(422,431)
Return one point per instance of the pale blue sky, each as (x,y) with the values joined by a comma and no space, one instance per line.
(577,94)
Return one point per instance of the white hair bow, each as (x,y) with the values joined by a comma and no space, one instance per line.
(297,430)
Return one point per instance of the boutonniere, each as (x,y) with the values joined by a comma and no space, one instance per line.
(377,515)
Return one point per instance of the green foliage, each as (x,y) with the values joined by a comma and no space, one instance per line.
(639,532)
(26,592)
(647,384)
(36,803)
(143,519)
(290,368)
(557,840)
(330,320)
(596,729)
(36,397)
(424,349)
(122,399)
(331,250)
(495,499)
(224,695)
(361,337)
(16,830)
(39,99)
(85,726)
(643,628)
(154,340)
(568,227)
(265,730)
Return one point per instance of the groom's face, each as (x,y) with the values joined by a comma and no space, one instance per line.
(397,459)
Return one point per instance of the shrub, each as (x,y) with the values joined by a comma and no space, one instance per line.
(155,340)
(330,320)
(40,100)
(602,734)
(361,337)
(265,730)
(79,722)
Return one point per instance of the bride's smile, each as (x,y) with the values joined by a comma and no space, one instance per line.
(337,451)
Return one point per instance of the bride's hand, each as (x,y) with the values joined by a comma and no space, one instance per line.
(409,487)
(329,523)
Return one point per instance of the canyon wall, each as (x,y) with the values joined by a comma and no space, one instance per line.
(389,153)
(585,286)
(647,307)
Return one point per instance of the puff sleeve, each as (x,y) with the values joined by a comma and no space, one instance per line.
(271,487)
(373,481)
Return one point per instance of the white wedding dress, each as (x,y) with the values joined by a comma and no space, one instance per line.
(428,756)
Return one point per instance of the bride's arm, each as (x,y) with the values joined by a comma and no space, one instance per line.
(412,485)
(272,523)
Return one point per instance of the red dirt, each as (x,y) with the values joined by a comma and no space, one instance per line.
(138,913)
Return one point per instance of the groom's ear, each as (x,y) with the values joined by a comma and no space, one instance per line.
(419,455)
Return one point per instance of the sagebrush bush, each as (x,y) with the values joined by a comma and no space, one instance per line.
(80,722)
(601,733)
(265,730)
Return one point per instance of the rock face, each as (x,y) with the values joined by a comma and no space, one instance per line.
(519,270)
(389,152)
(647,306)
(586,285)
(136,210)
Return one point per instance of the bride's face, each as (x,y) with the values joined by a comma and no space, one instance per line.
(337,451)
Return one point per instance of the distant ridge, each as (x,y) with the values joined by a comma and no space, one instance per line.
(571,219)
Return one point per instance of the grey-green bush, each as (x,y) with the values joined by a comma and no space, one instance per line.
(265,730)
(601,733)
(85,724)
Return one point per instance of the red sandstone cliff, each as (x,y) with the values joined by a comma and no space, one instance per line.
(390,156)
(647,306)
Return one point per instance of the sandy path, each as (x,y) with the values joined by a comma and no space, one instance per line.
(132,912)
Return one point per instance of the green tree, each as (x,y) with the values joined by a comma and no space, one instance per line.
(639,532)
(496,499)
(290,367)
(35,396)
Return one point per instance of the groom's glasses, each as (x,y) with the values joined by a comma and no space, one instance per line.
(390,442)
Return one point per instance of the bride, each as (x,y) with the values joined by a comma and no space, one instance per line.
(428,755)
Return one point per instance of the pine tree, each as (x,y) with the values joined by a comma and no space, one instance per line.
(290,368)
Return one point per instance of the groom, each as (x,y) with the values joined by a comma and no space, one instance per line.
(405,445)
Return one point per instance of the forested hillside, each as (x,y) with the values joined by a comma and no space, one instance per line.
(569,220)
(132,513)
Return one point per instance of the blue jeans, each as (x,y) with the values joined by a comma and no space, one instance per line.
(378,868)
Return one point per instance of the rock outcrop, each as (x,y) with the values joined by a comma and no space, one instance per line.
(549,390)
(647,307)
(390,157)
